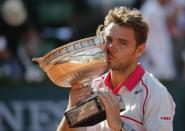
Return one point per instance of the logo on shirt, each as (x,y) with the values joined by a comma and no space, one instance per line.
(165,118)
(138,91)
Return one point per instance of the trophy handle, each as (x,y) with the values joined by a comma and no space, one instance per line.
(39,61)
(99,30)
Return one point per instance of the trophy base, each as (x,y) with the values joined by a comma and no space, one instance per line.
(88,112)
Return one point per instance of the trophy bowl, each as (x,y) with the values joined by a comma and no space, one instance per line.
(77,62)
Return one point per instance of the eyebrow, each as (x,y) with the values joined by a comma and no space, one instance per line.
(120,39)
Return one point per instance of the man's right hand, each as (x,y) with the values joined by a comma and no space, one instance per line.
(77,94)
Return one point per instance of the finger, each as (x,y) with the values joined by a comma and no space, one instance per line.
(113,98)
(79,99)
(76,86)
(105,99)
(83,90)
(102,99)
(108,97)
(81,94)
(77,95)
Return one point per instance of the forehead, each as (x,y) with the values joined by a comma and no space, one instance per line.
(118,31)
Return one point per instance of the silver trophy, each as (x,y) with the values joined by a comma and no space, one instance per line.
(78,62)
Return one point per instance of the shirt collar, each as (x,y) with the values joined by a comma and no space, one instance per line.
(130,83)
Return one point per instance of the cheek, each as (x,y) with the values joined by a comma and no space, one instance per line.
(123,58)
(126,55)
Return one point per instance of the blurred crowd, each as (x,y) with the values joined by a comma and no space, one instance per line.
(31,28)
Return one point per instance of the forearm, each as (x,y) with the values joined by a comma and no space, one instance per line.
(63,126)
(77,94)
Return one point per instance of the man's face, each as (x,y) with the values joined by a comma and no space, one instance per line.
(121,47)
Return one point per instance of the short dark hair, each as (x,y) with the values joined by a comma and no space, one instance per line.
(133,18)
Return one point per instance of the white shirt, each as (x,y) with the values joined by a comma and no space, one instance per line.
(159,53)
(149,106)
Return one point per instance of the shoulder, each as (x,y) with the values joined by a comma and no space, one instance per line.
(152,84)
(156,91)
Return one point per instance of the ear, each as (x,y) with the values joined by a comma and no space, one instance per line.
(140,50)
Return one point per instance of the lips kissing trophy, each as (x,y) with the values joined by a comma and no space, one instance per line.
(78,62)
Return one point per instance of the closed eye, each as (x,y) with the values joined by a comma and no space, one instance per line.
(123,42)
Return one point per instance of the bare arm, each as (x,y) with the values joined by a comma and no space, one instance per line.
(77,94)
(63,126)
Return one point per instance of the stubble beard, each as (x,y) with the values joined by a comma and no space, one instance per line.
(120,67)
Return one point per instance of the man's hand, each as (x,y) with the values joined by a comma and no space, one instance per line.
(112,108)
(77,94)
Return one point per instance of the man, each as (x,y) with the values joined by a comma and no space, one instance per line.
(149,106)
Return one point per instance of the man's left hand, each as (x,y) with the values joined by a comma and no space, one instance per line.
(112,108)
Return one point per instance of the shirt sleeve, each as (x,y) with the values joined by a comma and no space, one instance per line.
(159,111)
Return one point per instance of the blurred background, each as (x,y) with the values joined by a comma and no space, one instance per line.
(29,101)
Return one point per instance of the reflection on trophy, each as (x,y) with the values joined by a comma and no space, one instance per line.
(78,62)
